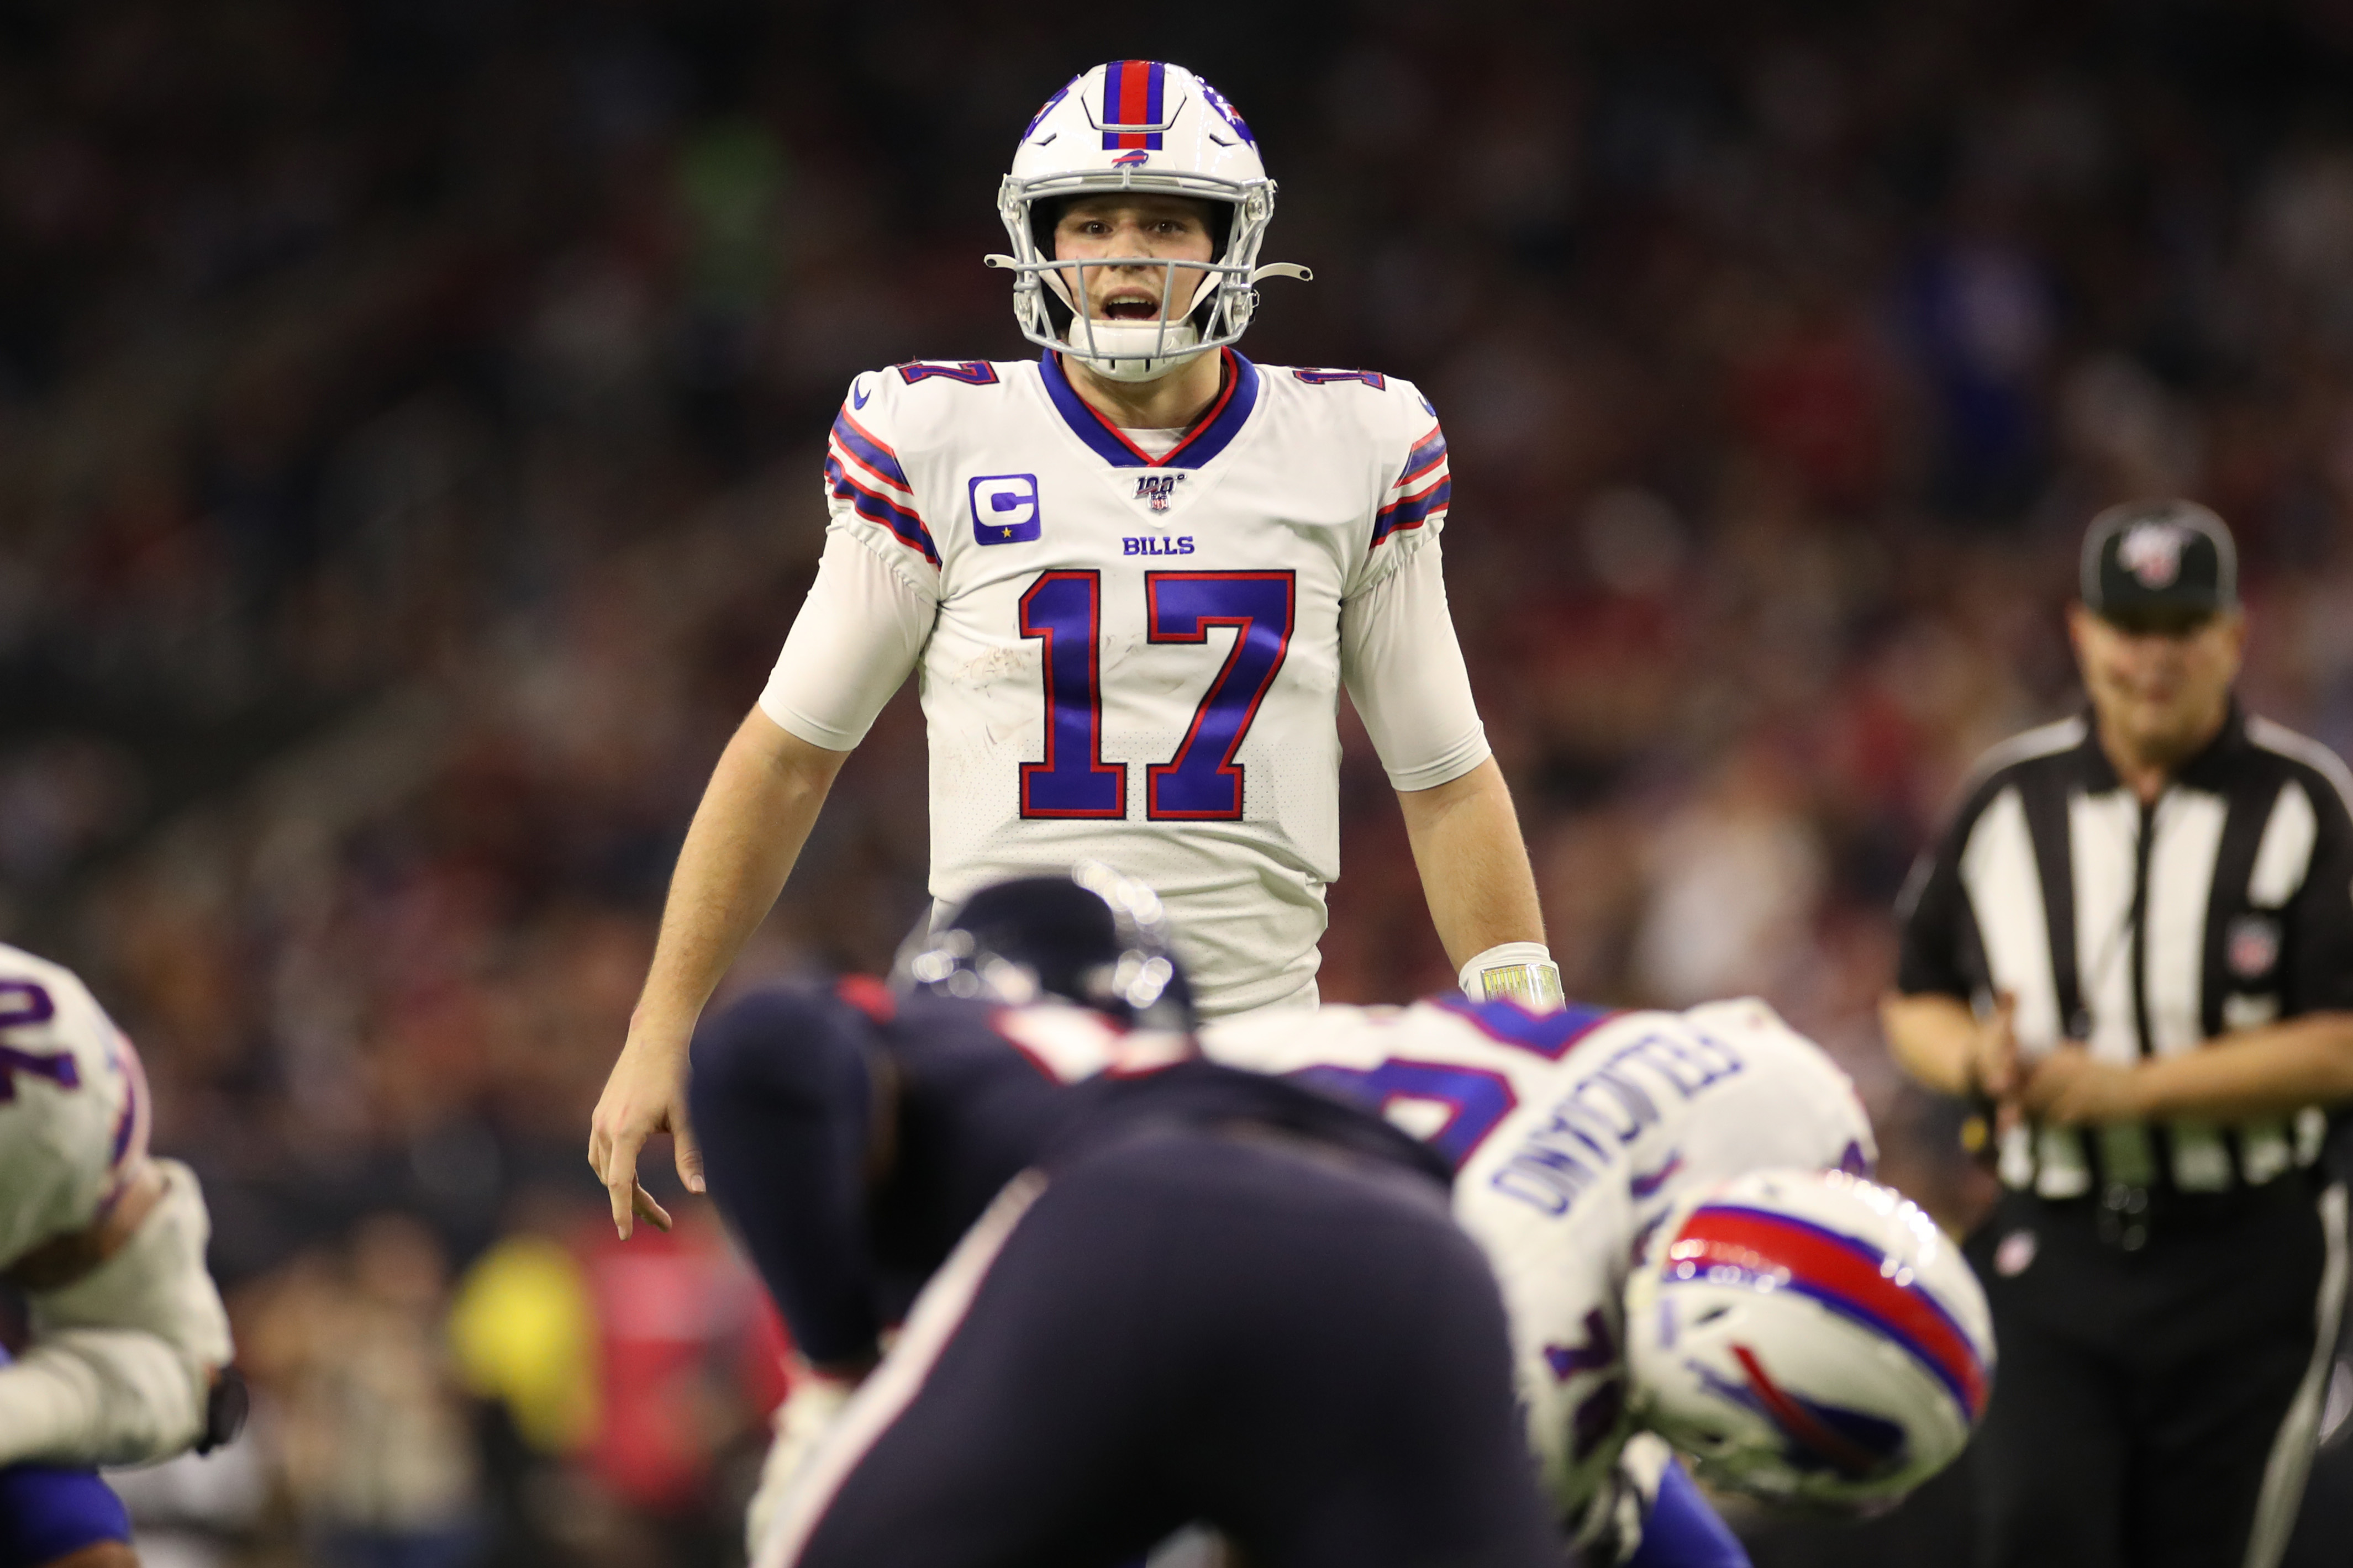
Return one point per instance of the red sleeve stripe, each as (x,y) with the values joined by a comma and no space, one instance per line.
(851,458)
(1409,512)
(1427,454)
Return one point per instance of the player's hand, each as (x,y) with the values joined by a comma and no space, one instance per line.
(645,1095)
(2070,1089)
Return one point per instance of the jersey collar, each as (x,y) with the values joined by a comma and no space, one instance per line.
(1211,435)
(2211,769)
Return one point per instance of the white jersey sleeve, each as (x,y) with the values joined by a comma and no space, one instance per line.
(1403,670)
(856,638)
(73,1105)
(1572,1134)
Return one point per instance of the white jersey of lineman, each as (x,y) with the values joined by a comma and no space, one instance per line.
(1137,659)
(73,1104)
(1573,1133)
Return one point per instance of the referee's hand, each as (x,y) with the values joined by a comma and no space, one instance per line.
(1993,1050)
(2069,1088)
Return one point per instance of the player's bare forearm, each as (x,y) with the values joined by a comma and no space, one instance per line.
(757,811)
(1474,865)
(2243,1076)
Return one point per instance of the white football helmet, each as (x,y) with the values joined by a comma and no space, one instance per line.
(1811,1339)
(1143,126)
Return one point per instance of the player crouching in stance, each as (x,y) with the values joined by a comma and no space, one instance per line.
(129,1342)
(1572,1140)
(1159,1289)
(1591,1151)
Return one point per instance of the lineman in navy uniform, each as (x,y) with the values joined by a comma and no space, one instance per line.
(2137,938)
(1324,1373)
(848,1213)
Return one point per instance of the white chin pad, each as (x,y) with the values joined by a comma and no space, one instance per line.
(1132,351)
(1136,351)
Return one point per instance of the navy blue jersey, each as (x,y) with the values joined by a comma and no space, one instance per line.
(851,1138)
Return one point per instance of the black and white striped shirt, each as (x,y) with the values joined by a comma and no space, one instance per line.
(2140,931)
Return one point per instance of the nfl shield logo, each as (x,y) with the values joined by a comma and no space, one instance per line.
(2151,551)
(1157,488)
(2252,947)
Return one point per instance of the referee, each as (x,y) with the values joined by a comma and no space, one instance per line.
(2136,941)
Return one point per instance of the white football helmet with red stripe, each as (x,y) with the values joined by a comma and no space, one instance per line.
(1146,127)
(1809,1338)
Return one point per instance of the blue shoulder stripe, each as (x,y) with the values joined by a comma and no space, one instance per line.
(876,507)
(1400,515)
(1424,457)
(856,441)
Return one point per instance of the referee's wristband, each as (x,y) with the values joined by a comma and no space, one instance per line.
(1520,972)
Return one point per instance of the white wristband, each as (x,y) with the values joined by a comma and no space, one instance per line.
(1520,972)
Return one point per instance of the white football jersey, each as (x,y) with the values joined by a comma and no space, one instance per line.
(73,1104)
(1573,1133)
(1137,658)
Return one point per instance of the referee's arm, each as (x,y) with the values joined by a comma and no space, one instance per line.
(2303,1060)
(1932,1031)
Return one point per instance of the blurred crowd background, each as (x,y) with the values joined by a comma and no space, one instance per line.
(410,420)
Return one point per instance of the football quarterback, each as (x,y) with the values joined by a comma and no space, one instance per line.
(1134,576)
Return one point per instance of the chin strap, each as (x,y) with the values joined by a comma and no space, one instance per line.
(1284,269)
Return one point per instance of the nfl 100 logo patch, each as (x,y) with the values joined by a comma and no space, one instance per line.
(1004,509)
(1157,489)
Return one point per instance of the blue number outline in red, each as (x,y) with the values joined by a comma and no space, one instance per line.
(1480,1099)
(1547,1035)
(1371,378)
(971,372)
(1245,635)
(1056,771)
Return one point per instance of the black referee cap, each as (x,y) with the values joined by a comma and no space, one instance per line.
(2164,562)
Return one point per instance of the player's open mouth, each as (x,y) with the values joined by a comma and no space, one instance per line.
(1132,307)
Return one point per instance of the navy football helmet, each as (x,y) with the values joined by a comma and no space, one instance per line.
(1094,937)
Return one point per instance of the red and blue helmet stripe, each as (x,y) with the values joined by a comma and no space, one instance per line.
(1844,1273)
(1134,94)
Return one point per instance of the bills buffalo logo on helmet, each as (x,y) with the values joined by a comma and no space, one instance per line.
(2151,551)
(1135,160)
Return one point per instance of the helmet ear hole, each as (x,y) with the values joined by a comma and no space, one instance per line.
(1045,217)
